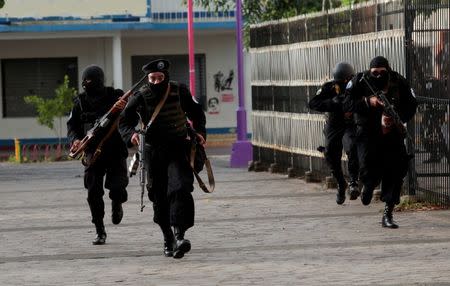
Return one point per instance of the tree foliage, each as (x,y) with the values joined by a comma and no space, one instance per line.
(2,3)
(350,2)
(57,107)
(255,11)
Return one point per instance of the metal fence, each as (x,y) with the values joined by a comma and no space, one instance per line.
(427,34)
(35,153)
(292,58)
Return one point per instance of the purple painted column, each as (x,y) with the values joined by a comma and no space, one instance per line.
(242,152)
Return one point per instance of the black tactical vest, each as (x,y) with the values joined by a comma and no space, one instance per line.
(170,123)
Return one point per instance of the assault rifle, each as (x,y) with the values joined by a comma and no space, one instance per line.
(388,109)
(101,128)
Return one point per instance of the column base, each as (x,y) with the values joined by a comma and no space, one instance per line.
(241,154)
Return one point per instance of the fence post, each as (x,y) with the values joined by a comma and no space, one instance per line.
(17,150)
(47,152)
(25,153)
(34,153)
(58,152)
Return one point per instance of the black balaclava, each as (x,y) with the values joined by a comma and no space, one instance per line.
(382,80)
(159,65)
(160,88)
(97,80)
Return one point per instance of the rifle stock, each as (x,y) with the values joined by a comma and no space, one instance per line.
(77,153)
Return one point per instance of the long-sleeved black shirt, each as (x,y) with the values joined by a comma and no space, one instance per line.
(329,99)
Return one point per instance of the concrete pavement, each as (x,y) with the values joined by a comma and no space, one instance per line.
(255,229)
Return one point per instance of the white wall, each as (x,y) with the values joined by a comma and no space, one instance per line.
(88,8)
(76,8)
(88,51)
(219,50)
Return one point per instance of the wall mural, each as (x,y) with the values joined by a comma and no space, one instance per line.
(223,89)
(213,105)
(221,83)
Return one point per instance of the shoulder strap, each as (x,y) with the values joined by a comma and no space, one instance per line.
(158,108)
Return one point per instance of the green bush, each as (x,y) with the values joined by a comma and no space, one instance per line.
(54,108)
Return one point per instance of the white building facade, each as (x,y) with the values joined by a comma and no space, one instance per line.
(41,41)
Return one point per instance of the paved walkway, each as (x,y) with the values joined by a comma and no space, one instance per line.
(256,229)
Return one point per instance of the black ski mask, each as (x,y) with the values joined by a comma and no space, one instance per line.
(93,79)
(380,78)
(162,66)
(160,88)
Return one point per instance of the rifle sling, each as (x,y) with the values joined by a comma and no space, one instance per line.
(211,181)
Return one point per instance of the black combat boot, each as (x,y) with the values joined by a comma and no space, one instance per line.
(181,245)
(169,240)
(116,212)
(366,195)
(101,234)
(387,220)
(340,195)
(353,190)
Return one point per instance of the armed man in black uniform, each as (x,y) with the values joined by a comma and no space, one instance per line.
(339,130)
(380,143)
(170,177)
(88,107)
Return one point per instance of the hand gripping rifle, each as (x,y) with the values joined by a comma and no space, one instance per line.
(102,128)
(388,110)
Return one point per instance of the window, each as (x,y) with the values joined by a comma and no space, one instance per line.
(22,77)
